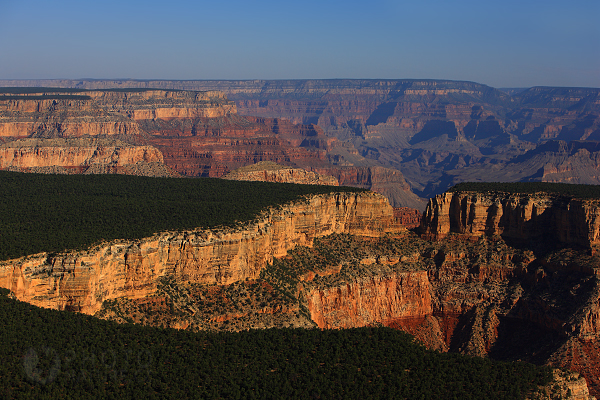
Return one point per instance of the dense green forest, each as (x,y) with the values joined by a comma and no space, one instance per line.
(48,354)
(565,189)
(54,213)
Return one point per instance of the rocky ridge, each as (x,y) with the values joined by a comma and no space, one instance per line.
(517,217)
(81,281)
(268,171)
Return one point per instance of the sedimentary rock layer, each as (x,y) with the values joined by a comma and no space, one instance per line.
(103,112)
(514,216)
(373,299)
(33,153)
(83,280)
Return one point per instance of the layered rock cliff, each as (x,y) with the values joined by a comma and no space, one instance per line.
(82,156)
(198,134)
(400,295)
(558,296)
(81,281)
(95,113)
(437,133)
(520,217)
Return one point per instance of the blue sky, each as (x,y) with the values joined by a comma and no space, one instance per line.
(505,43)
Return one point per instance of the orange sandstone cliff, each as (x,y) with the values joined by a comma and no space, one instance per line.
(520,217)
(81,281)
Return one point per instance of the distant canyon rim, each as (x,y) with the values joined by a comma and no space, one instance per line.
(407,139)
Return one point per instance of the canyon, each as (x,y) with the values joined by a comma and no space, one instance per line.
(468,280)
(192,133)
(436,133)
(493,274)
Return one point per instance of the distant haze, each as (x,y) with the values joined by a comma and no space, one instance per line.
(510,44)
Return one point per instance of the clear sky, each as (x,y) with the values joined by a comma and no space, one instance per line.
(508,43)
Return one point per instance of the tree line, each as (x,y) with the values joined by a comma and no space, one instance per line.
(563,189)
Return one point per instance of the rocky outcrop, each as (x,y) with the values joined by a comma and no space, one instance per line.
(81,281)
(409,217)
(520,217)
(268,171)
(91,156)
(372,299)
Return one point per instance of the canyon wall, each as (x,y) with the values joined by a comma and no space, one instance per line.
(102,112)
(482,298)
(514,216)
(198,134)
(402,295)
(436,132)
(31,153)
(81,281)
(82,155)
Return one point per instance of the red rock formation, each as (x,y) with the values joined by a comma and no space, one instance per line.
(409,217)
(513,216)
(82,280)
(33,153)
(382,299)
